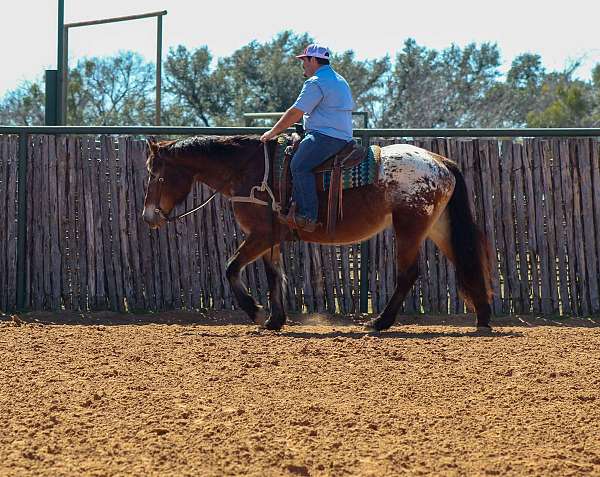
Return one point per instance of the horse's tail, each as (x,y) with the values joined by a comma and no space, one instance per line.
(470,248)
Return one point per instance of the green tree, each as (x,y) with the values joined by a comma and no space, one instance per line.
(196,95)
(422,87)
(111,91)
(263,77)
(510,101)
(23,106)
(427,88)
(467,76)
(572,107)
(526,72)
(595,116)
(259,77)
(406,99)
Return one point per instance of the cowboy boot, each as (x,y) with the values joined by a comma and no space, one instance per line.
(297,222)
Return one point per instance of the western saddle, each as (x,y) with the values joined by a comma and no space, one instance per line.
(349,156)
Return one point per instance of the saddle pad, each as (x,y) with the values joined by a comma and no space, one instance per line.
(362,174)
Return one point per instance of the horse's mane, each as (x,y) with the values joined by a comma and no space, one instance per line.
(208,145)
(195,146)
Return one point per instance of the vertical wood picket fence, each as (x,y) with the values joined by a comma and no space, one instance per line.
(538,201)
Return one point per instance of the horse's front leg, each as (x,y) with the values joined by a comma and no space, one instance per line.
(275,277)
(252,248)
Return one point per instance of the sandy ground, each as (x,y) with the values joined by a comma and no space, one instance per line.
(209,395)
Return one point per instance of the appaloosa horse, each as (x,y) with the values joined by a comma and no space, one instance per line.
(421,194)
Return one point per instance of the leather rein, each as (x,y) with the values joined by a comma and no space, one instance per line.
(264,186)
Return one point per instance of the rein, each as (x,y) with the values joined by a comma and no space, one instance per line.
(264,186)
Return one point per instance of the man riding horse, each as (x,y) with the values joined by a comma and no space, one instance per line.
(420,194)
(325,102)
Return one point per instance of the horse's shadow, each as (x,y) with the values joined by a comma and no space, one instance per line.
(424,335)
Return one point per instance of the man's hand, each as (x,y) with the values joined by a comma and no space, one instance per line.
(291,116)
(270,134)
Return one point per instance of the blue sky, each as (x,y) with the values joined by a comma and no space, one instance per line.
(561,33)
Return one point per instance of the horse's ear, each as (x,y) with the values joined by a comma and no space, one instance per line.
(152,145)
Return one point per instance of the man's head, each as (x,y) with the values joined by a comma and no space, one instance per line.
(313,57)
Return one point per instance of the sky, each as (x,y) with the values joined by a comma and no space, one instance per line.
(560,32)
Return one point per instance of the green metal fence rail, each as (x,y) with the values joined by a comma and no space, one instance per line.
(360,132)
(364,134)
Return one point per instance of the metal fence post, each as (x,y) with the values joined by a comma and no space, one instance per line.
(159,29)
(364,260)
(51,111)
(22,219)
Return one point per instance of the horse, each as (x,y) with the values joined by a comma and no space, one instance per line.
(419,193)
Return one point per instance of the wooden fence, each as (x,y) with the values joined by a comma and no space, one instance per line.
(8,222)
(537,199)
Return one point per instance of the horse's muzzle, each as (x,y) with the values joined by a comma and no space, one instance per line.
(153,217)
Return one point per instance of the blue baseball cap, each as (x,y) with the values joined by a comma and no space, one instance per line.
(316,50)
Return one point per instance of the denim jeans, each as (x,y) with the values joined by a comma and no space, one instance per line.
(314,149)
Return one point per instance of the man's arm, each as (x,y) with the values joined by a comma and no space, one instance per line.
(291,116)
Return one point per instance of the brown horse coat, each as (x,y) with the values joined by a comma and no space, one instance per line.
(421,194)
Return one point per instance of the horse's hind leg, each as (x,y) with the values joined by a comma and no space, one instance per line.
(250,249)
(408,243)
(275,277)
(476,293)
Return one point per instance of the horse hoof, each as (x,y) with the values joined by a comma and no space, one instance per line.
(484,329)
(270,325)
(372,331)
(260,317)
(376,325)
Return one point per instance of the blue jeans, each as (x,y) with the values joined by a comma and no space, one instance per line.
(314,149)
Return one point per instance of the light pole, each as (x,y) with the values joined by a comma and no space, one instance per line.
(60,113)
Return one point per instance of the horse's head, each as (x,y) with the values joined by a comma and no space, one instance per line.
(169,183)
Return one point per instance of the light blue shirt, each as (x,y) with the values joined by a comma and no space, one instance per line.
(326,101)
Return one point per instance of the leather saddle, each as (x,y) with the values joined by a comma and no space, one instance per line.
(349,156)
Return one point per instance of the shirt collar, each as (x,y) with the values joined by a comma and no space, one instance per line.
(322,69)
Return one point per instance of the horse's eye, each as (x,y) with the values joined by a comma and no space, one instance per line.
(161,179)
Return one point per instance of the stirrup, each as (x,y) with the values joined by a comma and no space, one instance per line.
(304,224)
(282,218)
(297,222)
(286,218)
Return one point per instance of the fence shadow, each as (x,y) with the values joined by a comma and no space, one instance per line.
(295,321)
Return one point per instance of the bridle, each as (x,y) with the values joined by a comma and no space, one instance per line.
(264,186)
(162,215)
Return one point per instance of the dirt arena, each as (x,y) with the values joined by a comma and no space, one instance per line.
(194,394)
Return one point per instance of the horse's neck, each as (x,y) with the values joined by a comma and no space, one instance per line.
(212,172)
(229,174)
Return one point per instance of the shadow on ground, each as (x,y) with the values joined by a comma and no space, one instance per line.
(235,317)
